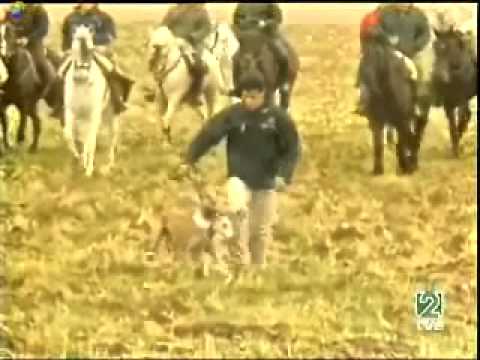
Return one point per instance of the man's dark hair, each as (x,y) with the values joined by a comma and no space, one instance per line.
(252,82)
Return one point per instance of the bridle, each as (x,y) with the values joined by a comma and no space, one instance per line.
(85,60)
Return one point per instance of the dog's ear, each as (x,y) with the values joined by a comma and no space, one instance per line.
(200,220)
(209,212)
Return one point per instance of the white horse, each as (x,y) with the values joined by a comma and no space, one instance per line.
(223,44)
(170,69)
(87,101)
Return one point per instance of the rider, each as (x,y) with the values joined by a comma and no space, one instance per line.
(402,25)
(267,18)
(192,23)
(31,25)
(104,35)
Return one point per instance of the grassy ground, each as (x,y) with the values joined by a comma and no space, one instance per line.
(349,252)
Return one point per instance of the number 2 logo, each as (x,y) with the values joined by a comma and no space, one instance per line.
(429,304)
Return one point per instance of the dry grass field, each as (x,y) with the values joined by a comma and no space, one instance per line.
(349,252)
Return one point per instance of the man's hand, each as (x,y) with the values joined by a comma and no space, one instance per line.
(23,41)
(280,184)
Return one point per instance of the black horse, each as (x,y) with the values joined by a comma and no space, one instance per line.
(23,87)
(255,56)
(454,81)
(392,104)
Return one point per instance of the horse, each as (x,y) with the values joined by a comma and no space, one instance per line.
(88,102)
(454,81)
(427,96)
(391,104)
(255,56)
(223,44)
(169,59)
(22,88)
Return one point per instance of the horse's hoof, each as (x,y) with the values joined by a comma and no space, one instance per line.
(456,153)
(377,172)
(406,172)
(106,170)
(32,149)
(167,134)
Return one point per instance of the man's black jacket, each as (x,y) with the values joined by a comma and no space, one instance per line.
(261,145)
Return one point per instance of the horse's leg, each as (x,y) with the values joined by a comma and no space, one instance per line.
(160,102)
(465,114)
(37,129)
(3,119)
(390,136)
(406,146)
(172,106)
(378,152)
(22,126)
(212,101)
(420,124)
(68,133)
(452,123)
(91,143)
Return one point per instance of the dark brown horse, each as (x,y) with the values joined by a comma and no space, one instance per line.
(254,55)
(391,104)
(454,82)
(22,88)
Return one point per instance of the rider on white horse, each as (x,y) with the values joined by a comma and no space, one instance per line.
(88,101)
(104,35)
(192,23)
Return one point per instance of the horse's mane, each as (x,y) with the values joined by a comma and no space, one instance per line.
(251,40)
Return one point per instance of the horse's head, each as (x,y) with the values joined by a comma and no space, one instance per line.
(82,51)
(7,40)
(451,54)
(160,42)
